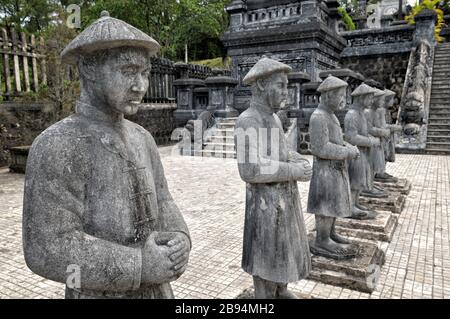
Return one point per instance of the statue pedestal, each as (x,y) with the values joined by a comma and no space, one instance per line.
(403,186)
(249,293)
(360,273)
(379,229)
(394,203)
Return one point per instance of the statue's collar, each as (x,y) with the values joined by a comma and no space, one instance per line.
(93,113)
(262,107)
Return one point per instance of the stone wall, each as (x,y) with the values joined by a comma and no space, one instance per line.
(19,125)
(388,69)
(158,119)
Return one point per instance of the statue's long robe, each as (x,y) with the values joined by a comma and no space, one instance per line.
(388,143)
(359,169)
(375,128)
(329,191)
(275,240)
(94,191)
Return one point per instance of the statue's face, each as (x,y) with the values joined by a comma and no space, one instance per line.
(389,102)
(367,100)
(378,101)
(276,90)
(122,79)
(336,99)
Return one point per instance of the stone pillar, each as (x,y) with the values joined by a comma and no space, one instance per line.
(236,10)
(294,107)
(353,79)
(185,95)
(425,23)
(221,95)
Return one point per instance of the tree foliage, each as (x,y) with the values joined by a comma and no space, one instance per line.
(430,5)
(173,23)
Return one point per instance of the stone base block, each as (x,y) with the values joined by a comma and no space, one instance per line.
(403,186)
(249,293)
(379,229)
(394,203)
(360,273)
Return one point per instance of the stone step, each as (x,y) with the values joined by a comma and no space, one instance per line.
(432,151)
(439,82)
(445,126)
(443,87)
(226,120)
(221,139)
(224,132)
(438,138)
(440,95)
(438,145)
(437,100)
(219,146)
(438,132)
(226,125)
(440,112)
(439,119)
(219,154)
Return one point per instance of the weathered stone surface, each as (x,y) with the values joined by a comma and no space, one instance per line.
(96,200)
(358,273)
(394,203)
(249,293)
(379,229)
(402,186)
(274,227)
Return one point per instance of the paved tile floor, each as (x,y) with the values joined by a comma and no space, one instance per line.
(211,195)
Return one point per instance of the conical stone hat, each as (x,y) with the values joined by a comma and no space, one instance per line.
(107,33)
(331,83)
(264,68)
(364,89)
(389,93)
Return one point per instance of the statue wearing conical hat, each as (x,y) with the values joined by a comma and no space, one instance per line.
(329,191)
(377,157)
(98,214)
(389,148)
(275,250)
(356,133)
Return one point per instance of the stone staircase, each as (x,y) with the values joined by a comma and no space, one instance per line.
(221,143)
(438,138)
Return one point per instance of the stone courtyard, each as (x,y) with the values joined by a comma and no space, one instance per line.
(211,196)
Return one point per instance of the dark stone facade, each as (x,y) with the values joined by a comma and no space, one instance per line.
(158,119)
(389,69)
(299,33)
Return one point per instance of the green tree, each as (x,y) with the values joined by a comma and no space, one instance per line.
(430,5)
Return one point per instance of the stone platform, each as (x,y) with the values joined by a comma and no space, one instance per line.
(249,293)
(403,186)
(381,228)
(394,203)
(360,273)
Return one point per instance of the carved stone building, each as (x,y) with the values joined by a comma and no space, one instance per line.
(300,33)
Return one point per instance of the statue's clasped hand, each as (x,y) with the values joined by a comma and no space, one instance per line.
(164,257)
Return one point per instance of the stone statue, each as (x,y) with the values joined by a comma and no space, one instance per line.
(207,121)
(96,199)
(376,158)
(329,191)
(275,248)
(356,133)
(388,143)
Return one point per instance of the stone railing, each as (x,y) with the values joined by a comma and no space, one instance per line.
(390,40)
(23,64)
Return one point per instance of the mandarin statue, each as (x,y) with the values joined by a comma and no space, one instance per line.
(329,191)
(96,197)
(275,249)
(356,133)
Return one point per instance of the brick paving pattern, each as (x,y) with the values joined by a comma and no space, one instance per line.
(210,194)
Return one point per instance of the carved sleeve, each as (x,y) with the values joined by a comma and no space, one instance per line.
(321,146)
(253,163)
(170,218)
(351,132)
(53,234)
